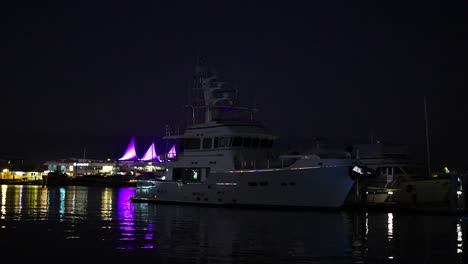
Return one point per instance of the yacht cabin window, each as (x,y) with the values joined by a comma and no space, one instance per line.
(222,142)
(237,142)
(397,171)
(266,143)
(247,142)
(192,143)
(207,143)
(255,142)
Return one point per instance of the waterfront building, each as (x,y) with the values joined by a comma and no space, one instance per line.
(14,169)
(80,167)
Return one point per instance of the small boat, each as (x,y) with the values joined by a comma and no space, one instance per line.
(399,180)
(56,178)
(227,159)
(124,180)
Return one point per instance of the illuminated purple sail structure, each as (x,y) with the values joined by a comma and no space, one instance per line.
(150,154)
(172,152)
(130,153)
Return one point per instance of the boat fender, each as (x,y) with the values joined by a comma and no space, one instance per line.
(355,171)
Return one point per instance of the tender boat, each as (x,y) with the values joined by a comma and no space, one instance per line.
(227,159)
(399,179)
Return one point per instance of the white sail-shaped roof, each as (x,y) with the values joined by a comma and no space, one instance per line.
(130,153)
(150,154)
(172,152)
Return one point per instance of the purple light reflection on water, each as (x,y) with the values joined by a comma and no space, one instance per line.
(127,227)
(125,248)
(148,246)
(150,235)
(129,237)
(126,217)
(124,206)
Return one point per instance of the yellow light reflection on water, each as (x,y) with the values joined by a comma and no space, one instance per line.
(106,204)
(44,202)
(32,197)
(16,196)
(20,200)
(3,208)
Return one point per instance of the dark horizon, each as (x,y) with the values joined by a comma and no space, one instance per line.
(93,74)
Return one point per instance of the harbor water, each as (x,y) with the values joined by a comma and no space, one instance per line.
(85,222)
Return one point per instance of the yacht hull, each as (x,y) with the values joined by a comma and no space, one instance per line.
(319,187)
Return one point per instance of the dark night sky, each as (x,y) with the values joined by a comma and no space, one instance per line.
(78,74)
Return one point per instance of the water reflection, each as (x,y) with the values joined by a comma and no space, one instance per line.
(408,238)
(3,202)
(68,213)
(86,221)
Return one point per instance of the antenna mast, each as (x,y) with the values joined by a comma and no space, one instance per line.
(427,139)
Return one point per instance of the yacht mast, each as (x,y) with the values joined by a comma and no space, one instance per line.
(427,139)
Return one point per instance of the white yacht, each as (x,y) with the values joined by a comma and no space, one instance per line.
(226,159)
